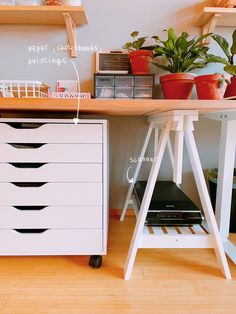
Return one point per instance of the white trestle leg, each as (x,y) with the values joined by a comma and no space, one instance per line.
(225,175)
(181,122)
(131,187)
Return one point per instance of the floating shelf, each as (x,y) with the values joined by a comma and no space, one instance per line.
(47,15)
(127,107)
(211,17)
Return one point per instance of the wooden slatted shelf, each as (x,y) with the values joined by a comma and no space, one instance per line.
(47,15)
(176,237)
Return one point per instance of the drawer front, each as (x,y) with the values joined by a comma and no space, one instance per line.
(124,81)
(85,153)
(52,217)
(104,92)
(122,92)
(84,194)
(104,81)
(26,172)
(143,93)
(144,81)
(50,133)
(52,242)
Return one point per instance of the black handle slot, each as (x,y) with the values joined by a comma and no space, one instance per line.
(30,207)
(27,165)
(24,125)
(28,184)
(30,230)
(26,145)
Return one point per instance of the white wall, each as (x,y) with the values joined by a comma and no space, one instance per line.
(110,23)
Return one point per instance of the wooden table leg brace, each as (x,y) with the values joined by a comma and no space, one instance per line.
(180,121)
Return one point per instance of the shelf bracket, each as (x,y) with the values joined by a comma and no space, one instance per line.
(209,27)
(71,32)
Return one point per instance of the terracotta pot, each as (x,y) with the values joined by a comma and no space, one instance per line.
(177,85)
(209,86)
(140,61)
(231,88)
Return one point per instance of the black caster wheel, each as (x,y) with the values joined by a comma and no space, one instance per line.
(95,261)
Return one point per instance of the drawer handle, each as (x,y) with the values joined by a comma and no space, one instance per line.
(27,165)
(30,207)
(24,125)
(26,145)
(30,230)
(28,184)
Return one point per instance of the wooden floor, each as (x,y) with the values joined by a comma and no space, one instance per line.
(163,281)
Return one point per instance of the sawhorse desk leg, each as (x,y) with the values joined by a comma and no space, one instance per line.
(225,175)
(177,121)
(139,164)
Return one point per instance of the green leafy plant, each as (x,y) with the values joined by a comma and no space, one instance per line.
(182,54)
(136,44)
(230,53)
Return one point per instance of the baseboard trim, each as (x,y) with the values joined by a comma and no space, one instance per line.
(117,212)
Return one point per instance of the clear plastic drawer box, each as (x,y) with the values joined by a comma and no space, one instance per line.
(123,86)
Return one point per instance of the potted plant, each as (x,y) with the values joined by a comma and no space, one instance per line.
(211,86)
(228,61)
(140,58)
(183,55)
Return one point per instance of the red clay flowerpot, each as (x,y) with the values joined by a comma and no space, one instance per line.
(177,85)
(231,88)
(140,61)
(209,86)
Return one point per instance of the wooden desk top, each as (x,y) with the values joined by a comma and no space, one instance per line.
(127,107)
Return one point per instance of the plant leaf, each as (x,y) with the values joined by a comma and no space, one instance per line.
(231,69)
(127,46)
(222,42)
(197,65)
(216,59)
(134,34)
(199,39)
(159,51)
(171,35)
(233,48)
(163,67)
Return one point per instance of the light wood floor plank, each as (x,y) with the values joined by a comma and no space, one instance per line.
(163,281)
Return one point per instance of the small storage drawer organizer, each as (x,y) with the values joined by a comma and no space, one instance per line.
(53,185)
(123,86)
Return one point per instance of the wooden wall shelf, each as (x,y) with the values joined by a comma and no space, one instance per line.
(71,16)
(211,17)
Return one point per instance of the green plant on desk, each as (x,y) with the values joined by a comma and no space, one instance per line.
(140,57)
(229,52)
(136,43)
(181,55)
(228,60)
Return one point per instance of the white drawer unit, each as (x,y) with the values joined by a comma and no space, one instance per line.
(54,188)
